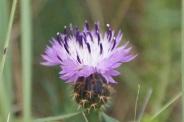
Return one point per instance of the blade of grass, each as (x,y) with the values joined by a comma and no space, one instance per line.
(135,112)
(3,30)
(8,119)
(7,38)
(4,21)
(85,118)
(7,74)
(65,116)
(5,107)
(26,38)
(167,105)
(147,97)
(182,34)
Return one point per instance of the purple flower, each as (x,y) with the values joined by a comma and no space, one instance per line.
(81,54)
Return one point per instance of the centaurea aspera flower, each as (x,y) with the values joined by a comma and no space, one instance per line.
(88,59)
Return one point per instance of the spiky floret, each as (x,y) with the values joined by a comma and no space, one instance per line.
(81,54)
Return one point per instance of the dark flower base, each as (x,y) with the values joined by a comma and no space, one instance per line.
(92,92)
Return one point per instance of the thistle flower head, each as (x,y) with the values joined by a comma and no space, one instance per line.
(83,53)
(88,59)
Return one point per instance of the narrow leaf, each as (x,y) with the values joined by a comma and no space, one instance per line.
(166,106)
(65,116)
(108,118)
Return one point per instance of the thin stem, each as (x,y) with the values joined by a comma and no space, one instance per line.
(85,118)
(26,39)
(136,102)
(3,95)
(7,72)
(4,21)
(7,38)
(8,119)
(182,60)
(145,104)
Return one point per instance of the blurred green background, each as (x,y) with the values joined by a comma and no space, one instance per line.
(153,28)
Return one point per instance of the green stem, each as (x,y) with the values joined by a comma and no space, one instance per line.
(26,44)
(4,106)
(182,60)
(92,116)
(7,38)
(7,70)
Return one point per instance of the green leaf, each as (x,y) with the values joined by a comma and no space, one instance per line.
(65,116)
(108,118)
